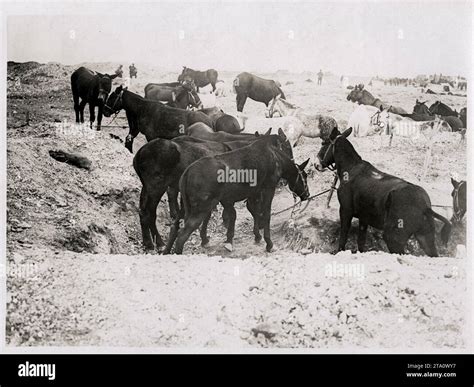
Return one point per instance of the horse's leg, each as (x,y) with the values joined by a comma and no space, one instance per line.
(266,199)
(173,201)
(132,133)
(191,223)
(203,234)
(91,113)
(361,237)
(213,84)
(82,106)
(99,115)
(346,219)
(76,106)
(230,211)
(252,206)
(148,203)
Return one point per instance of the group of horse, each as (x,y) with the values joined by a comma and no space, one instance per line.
(188,150)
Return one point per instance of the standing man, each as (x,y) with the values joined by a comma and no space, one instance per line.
(320,77)
(133,70)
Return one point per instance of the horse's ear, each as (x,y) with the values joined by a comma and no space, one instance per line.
(347,132)
(417,102)
(257,134)
(303,165)
(381,108)
(281,133)
(334,133)
(454,183)
(268,132)
(278,97)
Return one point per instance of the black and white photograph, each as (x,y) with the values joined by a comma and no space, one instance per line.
(239,177)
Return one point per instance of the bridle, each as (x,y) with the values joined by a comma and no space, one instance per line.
(458,213)
(331,147)
(119,99)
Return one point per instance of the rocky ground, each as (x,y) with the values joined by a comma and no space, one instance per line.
(77,274)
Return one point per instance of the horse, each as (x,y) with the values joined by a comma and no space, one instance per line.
(385,202)
(92,88)
(459,195)
(182,96)
(424,132)
(200,78)
(421,112)
(222,122)
(313,125)
(151,118)
(291,126)
(251,172)
(363,97)
(442,109)
(247,85)
(204,132)
(365,121)
(159,164)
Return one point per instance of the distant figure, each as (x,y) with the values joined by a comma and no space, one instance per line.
(119,71)
(344,81)
(133,70)
(320,77)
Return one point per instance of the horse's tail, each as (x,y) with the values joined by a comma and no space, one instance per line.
(446,230)
(282,94)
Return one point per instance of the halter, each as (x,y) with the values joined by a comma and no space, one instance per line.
(331,146)
(457,212)
(377,122)
(119,98)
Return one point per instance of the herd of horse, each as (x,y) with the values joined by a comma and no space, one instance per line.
(188,149)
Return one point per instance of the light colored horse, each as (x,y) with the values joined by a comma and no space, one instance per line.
(314,125)
(364,120)
(207,99)
(291,126)
(424,133)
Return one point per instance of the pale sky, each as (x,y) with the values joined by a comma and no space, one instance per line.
(356,38)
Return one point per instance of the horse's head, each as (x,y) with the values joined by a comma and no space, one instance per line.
(299,185)
(114,102)
(421,108)
(284,143)
(356,93)
(105,85)
(184,75)
(326,155)
(459,200)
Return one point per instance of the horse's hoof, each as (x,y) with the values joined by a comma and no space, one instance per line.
(205,242)
(270,248)
(258,240)
(228,247)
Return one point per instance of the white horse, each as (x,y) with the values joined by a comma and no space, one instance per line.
(424,133)
(291,126)
(364,120)
(314,125)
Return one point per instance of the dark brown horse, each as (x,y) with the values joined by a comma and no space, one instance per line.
(200,78)
(379,200)
(247,85)
(251,172)
(92,88)
(159,164)
(363,97)
(151,118)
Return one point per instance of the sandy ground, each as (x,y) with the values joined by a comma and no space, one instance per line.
(77,274)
